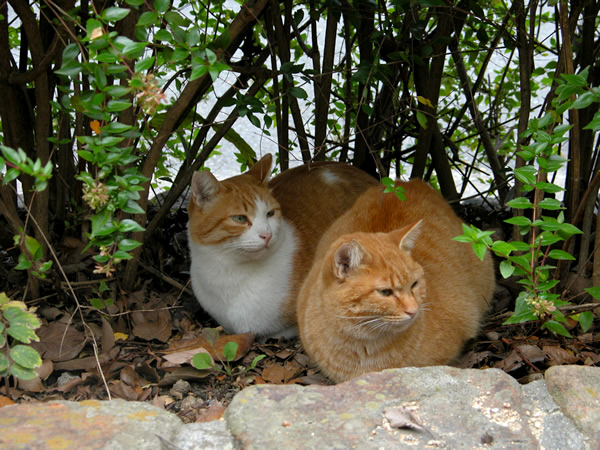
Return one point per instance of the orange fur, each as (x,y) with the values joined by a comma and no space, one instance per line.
(311,206)
(247,284)
(389,288)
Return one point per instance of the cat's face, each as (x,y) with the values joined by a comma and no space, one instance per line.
(238,215)
(376,288)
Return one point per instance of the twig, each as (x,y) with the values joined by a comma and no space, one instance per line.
(167,279)
(70,288)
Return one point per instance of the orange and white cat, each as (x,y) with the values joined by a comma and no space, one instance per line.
(389,288)
(252,241)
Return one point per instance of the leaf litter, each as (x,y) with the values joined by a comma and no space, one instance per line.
(143,342)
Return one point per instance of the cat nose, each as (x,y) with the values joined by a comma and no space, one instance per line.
(411,312)
(266,236)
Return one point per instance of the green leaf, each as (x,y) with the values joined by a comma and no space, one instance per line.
(25,356)
(585,320)
(163,35)
(69,68)
(594,124)
(567,230)
(3,362)
(97,303)
(144,64)
(147,18)
(133,49)
(584,100)
(520,203)
(18,316)
(128,245)
(548,187)
(24,263)
(199,71)
(519,221)
(121,255)
(116,127)
(117,105)
(255,361)
(70,52)
(479,250)
(99,221)
(462,238)
(11,174)
(128,225)
(525,316)
(575,80)
(22,333)
(175,19)
(506,269)
(594,292)
(559,254)
(503,248)
(550,204)
(33,247)
(422,119)
(526,174)
(229,351)
(114,14)
(161,6)
(22,373)
(556,327)
(298,92)
(202,361)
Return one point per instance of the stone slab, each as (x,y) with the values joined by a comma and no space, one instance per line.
(576,390)
(116,424)
(449,407)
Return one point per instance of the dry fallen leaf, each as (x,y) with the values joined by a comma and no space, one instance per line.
(184,356)
(151,317)
(214,412)
(402,418)
(243,341)
(184,373)
(33,385)
(5,401)
(45,370)
(278,374)
(89,362)
(514,360)
(59,342)
(558,355)
(108,336)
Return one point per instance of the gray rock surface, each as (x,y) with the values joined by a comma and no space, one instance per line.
(433,407)
(576,390)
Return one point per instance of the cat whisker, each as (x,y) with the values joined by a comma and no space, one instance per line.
(425,307)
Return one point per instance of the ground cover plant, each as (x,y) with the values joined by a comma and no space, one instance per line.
(105,104)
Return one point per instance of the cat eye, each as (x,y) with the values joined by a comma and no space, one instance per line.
(385,292)
(271,213)
(414,285)
(239,219)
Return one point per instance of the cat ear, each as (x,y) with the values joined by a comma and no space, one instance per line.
(407,243)
(347,257)
(262,168)
(204,187)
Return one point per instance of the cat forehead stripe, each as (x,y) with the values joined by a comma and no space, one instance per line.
(330,177)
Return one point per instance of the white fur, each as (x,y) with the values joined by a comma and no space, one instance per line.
(330,177)
(243,285)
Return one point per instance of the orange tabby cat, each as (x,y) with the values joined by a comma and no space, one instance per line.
(389,288)
(252,242)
